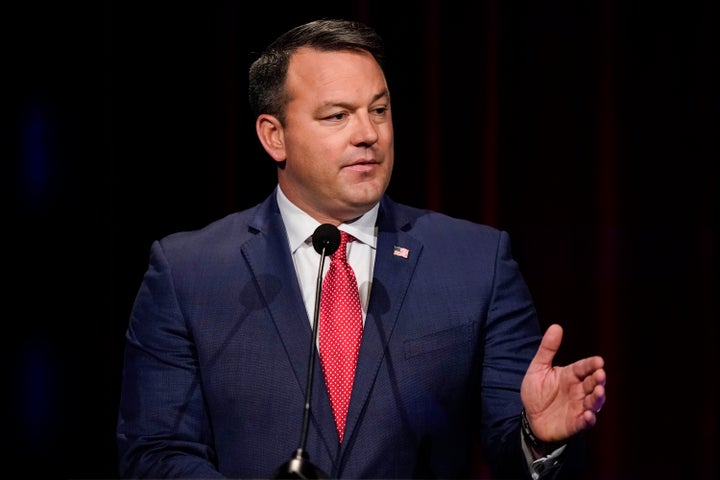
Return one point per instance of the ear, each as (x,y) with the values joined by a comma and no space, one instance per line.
(270,132)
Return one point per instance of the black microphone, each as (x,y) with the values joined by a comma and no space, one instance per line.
(326,240)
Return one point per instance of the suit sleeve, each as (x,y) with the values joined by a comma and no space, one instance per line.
(163,428)
(512,338)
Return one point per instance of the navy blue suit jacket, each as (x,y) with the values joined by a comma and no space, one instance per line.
(218,343)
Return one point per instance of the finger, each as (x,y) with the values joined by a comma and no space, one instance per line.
(549,345)
(599,398)
(596,377)
(590,418)
(591,367)
(594,401)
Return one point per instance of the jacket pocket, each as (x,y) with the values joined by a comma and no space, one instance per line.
(439,340)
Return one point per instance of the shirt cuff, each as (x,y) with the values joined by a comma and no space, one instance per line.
(540,467)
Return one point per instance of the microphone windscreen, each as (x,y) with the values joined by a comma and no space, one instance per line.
(326,236)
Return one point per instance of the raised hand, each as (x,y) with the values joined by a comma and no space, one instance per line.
(561,401)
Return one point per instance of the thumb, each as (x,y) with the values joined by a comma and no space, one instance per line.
(549,346)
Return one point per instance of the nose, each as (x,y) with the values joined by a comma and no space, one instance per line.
(365,130)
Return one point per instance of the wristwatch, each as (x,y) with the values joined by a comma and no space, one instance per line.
(532,440)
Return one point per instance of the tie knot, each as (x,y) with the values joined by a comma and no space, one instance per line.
(341,252)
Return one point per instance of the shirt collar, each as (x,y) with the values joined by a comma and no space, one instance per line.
(300,226)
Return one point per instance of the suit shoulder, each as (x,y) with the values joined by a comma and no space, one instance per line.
(233,228)
(425,220)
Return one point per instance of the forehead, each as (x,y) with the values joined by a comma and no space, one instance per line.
(310,68)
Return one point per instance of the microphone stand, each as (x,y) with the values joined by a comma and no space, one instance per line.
(299,467)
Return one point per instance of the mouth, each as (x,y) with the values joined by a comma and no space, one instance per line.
(362,164)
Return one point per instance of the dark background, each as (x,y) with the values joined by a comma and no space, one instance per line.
(588,130)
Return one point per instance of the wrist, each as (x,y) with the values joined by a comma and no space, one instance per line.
(533,441)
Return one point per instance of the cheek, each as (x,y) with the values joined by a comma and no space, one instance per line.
(311,161)
(320,153)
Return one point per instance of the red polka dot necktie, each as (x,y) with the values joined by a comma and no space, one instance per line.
(340,331)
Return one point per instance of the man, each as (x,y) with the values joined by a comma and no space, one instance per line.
(451,354)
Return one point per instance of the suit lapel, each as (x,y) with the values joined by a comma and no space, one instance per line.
(395,260)
(270,262)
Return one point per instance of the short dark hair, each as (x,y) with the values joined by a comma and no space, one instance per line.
(266,87)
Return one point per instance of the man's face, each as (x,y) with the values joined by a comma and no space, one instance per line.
(338,134)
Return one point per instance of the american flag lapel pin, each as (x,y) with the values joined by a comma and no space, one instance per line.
(401,251)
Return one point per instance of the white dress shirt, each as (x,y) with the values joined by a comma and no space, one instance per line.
(361,253)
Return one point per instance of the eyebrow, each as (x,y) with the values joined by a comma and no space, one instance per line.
(376,97)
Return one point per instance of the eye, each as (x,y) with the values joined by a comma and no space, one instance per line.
(380,111)
(336,117)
